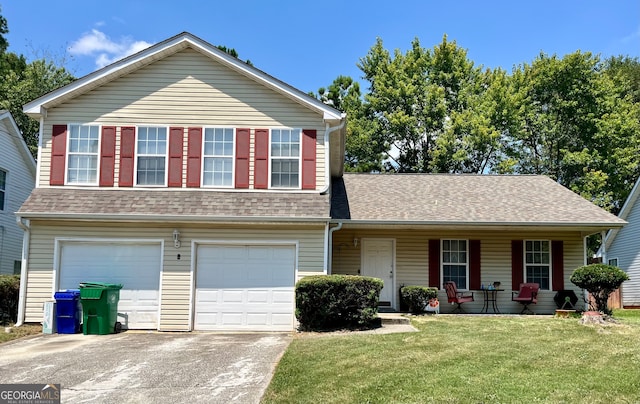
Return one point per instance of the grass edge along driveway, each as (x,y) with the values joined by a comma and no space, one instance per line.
(501,359)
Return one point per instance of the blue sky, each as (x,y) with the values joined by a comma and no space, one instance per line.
(308,44)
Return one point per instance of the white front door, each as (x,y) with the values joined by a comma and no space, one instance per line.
(377,262)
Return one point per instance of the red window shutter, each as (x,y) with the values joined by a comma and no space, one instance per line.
(194,156)
(517,264)
(557,262)
(58,154)
(176,139)
(474,264)
(107,156)
(309,159)
(434,263)
(242,158)
(261,165)
(127,154)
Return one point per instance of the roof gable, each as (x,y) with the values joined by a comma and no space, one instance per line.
(163,49)
(21,146)
(624,213)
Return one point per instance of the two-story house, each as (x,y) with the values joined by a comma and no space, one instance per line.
(207,188)
(17,178)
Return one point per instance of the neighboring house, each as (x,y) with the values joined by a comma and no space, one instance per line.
(17,178)
(622,248)
(203,185)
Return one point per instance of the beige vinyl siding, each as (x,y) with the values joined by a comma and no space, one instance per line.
(412,260)
(176,276)
(186,89)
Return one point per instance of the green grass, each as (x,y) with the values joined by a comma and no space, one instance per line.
(467,359)
(19,332)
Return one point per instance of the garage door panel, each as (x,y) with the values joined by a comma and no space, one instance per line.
(248,287)
(135,266)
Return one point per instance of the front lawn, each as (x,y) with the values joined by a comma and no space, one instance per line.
(502,359)
(24,330)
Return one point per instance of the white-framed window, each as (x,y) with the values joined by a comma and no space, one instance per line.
(613,261)
(537,262)
(217,156)
(151,155)
(82,155)
(455,262)
(3,188)
(285,158)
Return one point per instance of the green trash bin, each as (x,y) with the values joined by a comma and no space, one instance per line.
(100,307)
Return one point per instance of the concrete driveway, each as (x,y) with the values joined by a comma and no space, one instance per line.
(147,367)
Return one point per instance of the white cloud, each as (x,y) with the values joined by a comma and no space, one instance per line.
(105,51)
(633,36)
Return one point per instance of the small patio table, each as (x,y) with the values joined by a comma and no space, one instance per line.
(490,300)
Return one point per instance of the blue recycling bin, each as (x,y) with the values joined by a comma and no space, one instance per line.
(68,311)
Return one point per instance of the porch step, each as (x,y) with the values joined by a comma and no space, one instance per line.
(393,318)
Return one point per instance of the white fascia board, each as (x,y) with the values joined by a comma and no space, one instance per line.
(634,195)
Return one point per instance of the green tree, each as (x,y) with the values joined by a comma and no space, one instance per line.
(364,151)
(431,109)
(576,125)
(4,29)
(19,88)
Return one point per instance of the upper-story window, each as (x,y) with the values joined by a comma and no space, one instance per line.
(83,154)
(538,262)
(218,157)
(455,262)
(285,158)
(3,188)
(151,156)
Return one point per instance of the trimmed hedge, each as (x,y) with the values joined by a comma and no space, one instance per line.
(328,302)
(600,280)
(9,292)
(417,297)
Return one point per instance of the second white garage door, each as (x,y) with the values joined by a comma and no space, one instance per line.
(245,287)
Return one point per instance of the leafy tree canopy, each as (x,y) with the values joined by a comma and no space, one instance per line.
(575,118)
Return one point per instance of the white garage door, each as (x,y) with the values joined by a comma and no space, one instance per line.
(136,266)
(245,287)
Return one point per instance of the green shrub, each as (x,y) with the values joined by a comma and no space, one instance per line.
(417,297)
(325,302)
(600,280)
(9,292)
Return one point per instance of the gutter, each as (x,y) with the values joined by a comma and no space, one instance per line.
(329,250)
(174,218)
(327,156)
(22,298)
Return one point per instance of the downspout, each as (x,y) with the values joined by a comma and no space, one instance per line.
(22,298)
(327,172)
(585,294)
(329,250)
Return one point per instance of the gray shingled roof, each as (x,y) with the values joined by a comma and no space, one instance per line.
(460,199)
(178,204)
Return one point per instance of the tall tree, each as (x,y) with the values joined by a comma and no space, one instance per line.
(576,125)
(18,88)
(364,153)
(4,29)
(431,108)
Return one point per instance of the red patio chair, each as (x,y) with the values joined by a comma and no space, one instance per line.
(453,296)
(528,294)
